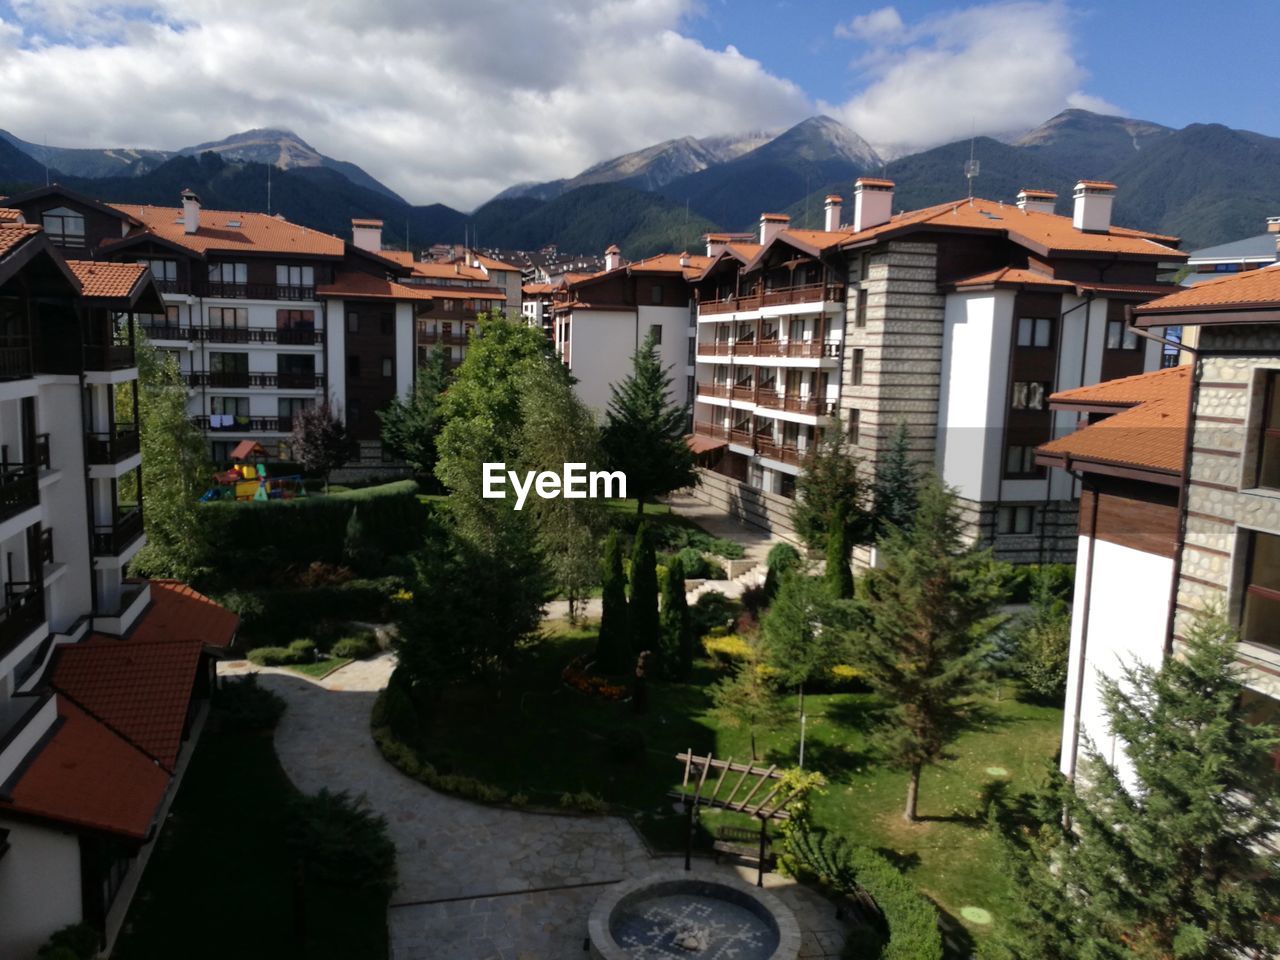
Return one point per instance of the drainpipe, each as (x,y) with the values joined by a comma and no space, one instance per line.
(1078,707)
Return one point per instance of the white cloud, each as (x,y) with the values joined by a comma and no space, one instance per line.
(442,102)
(987,69)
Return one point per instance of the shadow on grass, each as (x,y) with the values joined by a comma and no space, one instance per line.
(957,941)
(905,862)
(836,761)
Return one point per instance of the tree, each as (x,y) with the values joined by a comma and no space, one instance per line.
(895,490)
(1042,640)
(642,605)
(832,501)
(922,637)
(676,628)
(781,559)
(644,431)
(357,549)
(175,467)
(613,647)
(411,425)
(750,698)
(320,440)
(838,576)
(1173,856)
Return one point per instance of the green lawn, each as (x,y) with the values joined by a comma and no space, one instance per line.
(221,882)
(319,669)
(543,739)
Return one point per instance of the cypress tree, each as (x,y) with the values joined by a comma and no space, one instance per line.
(782,559)
(677,634)
(642,607)
(613,648)
(838,576)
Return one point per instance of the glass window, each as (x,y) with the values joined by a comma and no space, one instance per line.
(855,425)
(64,227)
(353,323)
(1035,332)
(1020,461)
(1269,460)
(860,311)
(1261,621)
(388,367)
(295,319)
(293,276)
(166,270)
(655,293)
(1015,520)
(386,323)
(353,367)
(1029,395)
(229,273)
(1120,336)
(857,367)
(655,331)
(229,363)
(229,406)
(232,318)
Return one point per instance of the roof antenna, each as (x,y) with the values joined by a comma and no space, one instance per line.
(269,189)
(971,167)
(46,159)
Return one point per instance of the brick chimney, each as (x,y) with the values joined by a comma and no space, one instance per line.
(771,224)
(190,211)
(872,202)
(1037,201)
(367,235)
(1093,200)
(612,257)
(832,208)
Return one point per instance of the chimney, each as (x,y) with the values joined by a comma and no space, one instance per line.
(771,224)
(716,242)
(1273,226)
(684,259)
(832,208)
(367,235)
(190,211)
(612,257)
(1093,206)
(872,202)
(1037,201)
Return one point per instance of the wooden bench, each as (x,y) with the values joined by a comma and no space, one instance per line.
(742,843)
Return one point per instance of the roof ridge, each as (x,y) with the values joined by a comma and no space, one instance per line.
(112,727)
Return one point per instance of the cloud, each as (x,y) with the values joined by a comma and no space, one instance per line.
(443,105)
(989,69)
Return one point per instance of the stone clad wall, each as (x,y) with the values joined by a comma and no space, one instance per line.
(769,511)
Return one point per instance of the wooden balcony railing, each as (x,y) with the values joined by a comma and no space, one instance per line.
(247,425)
(114,447)
(19,489)
(713,390)
(106,357)
(766,395)
(23,612)
(112,540)
(717,430)
(800,349)
(243,380)
(15,358)
(762,444)
(169,331)
(780,296)
(253,291)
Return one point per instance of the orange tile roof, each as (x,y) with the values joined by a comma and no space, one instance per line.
(402,257)
(873,182)
(1011,276)
(491,264)
(440,292)
(433,269)
(139,688)
(179,612)
(1148,432)
(1044,232)
(1039,194)
(820,239)
(537,289)
(365,286)
(219,234)
(87,776)
(699,444)
(670,263)
(357,222)
(105,279)
(1251,289)
(13,235)
(1096,184)
(10,215)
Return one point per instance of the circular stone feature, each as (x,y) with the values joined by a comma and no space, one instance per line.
(997,772)
(976,915)
(679,914)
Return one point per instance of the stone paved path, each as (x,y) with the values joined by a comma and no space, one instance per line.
(476,882)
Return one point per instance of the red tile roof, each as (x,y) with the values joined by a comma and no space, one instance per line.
(13,235)
(699,444)
(10,215)
(87,776)
(1252,289)
(230,231)
(180,613)
(365,286)
(107,280)
(1147,433)
(436,270)
(1011,277)
(491,264)
(537,289)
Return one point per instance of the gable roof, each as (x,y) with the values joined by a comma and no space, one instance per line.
(1250,290)
(365,286)
(181,613)
(229,231)
(58,190)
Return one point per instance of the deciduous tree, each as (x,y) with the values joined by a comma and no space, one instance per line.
(750,697)
(320,440)
(410,426)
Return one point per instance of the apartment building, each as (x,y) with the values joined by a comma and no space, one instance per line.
(103,679)
(958,320)
(1181,500)
(263,316)
(600,320)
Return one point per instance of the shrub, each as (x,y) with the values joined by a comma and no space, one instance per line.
(698,567)
(319,574)
(400,713)
(341,842)
(782,558)
(727,649)
(247,606)
(76,942)
(280,611)
(584,801)
(712,610)
(625,745)
(405,759)
(300,651)
(355,648)
(246,707)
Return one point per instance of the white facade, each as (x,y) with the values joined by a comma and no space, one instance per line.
(31,910)
(598,345)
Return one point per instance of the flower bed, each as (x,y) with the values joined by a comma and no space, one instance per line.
(577,675)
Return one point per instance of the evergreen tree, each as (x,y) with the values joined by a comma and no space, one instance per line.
(1042,640)
(895,490)
(838,575)
(357,549)
(613,647)
(782,559)
(677,631)
(831,492)
(410,426)
(1173,855)
(750,697)
(320,440)
(642,606)
(644,431)
(922,640)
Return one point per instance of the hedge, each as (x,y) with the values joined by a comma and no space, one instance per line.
(314,528)
(279,613)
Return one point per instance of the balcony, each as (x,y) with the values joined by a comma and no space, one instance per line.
(766,395)
(168,331)
(783,452)
(780,296)
(721,390)
(246,424)
(43,460)
(254,291)
(114,447)
(795,349)
(108,357)
(761,444)
(719,431)
(19,490)
(287,380)
(15,358)
(113,540)
(243,380)
(291,337)
(22,613)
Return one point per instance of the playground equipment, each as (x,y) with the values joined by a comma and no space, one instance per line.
(249,481)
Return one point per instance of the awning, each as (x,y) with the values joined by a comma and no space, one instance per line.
(700,444)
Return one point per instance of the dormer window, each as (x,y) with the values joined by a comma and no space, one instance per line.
(65,227)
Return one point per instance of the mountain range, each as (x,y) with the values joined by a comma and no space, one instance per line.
(1206,182)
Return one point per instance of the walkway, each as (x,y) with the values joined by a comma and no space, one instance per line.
(475,882)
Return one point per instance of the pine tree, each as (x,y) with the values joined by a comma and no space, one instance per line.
(750,698)
(410,426)
(677,632)
(644,431)
(1171,856)
(642,606)
(831,490)
(838,576)
(923,638)
(895,490)
(613,648)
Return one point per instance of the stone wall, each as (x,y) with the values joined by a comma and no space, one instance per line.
(768,511)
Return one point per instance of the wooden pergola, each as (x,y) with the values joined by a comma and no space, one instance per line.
(766,783)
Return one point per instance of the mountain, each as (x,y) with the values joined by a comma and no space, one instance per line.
(88,161)
(17,167)
(1090,144)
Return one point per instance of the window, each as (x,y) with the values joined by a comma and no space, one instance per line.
(353,323)
(388,367)
(1120,336)
(229,363)
(167,319)
(857,367)
(289,407)
(229,273)
(855,426)
(289,276)
(447,305)
(386,324)
(1029,395)
(296,364)
(163,270)
(64,227)
(655,332)
(1020,461)
(353,413)
(860,309)
(1261,621)
(1015,520)
(655,293)
(1035,332)
(229,406)
(1269,459)
(787,486)
(229,318)
(353,367)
